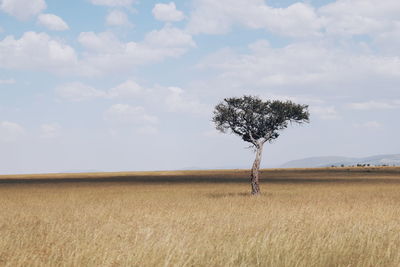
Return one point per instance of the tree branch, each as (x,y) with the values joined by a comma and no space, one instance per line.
(252,138)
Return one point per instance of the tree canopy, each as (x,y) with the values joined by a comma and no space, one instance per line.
(257,121)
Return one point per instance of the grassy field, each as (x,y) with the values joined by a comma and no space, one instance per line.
(304,217)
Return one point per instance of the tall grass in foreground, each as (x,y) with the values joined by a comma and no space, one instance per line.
(310,224)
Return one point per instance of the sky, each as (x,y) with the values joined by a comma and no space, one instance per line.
(129,85)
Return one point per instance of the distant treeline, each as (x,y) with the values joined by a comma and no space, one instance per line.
(363,165)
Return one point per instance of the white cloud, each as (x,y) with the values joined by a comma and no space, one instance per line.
(127,114)
(356,17)
(49,130)
(118,18)
(167,12)
(37,51)
(169,37)
(105,42)
(10,131)
(7,81)
(369,125)
(112,2)
(217,17)
(324,112)
(374,19)
(173,99)
(388,41)
(366,8)
(105,53)
(346,18)
(373,105)
(52,22)
(177,101)
(126,89)
(78,92)
(307,66)
(22,9)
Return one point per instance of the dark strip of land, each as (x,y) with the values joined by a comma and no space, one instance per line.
(306,175)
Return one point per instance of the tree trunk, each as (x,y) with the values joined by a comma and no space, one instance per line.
(254,177)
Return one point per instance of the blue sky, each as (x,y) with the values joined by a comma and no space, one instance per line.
(117,85)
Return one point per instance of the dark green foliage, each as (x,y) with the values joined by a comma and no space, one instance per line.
(257,121)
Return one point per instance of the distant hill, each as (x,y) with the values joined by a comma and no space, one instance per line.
(377,160)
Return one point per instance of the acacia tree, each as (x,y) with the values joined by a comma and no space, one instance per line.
(257,122)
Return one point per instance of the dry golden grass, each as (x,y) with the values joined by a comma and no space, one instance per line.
(303,218)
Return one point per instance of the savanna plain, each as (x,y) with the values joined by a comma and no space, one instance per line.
(304,217)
